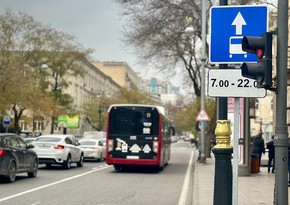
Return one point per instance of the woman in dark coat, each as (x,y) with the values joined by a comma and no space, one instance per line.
(258,146)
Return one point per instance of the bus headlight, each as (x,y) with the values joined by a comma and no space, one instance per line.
(155,146)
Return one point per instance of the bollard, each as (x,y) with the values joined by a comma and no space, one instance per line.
(223,165)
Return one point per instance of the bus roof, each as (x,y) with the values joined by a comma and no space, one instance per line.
(160,109)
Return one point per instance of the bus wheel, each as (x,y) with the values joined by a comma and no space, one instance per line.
(161,167)
(118,167)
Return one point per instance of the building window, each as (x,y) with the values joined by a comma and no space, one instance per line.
(256,104)
(272,104)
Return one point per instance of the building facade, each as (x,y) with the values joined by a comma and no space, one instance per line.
(120,72)
(92,84)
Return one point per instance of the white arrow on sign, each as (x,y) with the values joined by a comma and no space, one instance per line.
(239,22)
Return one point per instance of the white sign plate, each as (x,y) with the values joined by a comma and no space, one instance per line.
(231,83)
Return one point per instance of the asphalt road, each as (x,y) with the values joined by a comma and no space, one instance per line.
(99,184)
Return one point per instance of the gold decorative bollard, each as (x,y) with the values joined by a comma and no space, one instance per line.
(223,165)
(223,134)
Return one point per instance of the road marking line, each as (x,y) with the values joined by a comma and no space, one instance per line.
(36,203)
(54,183)
(183,195)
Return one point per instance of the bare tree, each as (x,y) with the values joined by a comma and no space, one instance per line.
(156,30)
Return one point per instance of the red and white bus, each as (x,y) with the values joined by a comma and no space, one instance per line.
(138,135)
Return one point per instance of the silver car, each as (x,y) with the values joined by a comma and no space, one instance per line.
(93,149)
(59,149)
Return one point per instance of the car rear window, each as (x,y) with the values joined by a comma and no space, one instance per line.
(87,142)
(48,139)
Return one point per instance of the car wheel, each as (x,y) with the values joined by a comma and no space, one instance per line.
(67,162)
(34,168)
(101,158)
(81,162)
(11,172)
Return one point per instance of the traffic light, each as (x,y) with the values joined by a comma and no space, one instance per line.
(262,70)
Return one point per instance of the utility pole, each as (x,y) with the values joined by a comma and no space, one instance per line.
(223,101)
(281,135)
(223,186)
(203,59)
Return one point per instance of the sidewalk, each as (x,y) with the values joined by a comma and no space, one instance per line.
(252,190)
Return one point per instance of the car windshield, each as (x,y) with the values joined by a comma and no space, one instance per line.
(87,142)
(48,139)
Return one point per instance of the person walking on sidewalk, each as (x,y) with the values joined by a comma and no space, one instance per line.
(271,155)
(258,147)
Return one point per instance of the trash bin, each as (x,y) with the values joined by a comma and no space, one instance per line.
(255,165)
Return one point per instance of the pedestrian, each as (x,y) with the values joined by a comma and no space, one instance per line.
(258,147)
(271,155)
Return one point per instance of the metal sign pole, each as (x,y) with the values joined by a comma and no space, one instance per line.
(281,135)
(203,59)
(236,150)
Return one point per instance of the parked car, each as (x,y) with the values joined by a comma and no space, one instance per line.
(94,135)
(30,134)
(93,149)
(58,149)
(16,156)
(23,135)
(29,140)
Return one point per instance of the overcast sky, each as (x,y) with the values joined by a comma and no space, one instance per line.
(95,23)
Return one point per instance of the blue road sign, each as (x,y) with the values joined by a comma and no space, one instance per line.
(228,25)
(6,121)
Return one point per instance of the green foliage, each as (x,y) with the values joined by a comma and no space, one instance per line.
(185,117)
(126,95)
(25,47)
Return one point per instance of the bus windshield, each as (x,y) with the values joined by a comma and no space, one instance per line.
(133,121)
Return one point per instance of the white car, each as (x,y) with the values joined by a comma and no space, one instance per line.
(93,149)
(59,149)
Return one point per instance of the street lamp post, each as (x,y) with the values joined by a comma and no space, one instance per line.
(203,59)
(42,67)
(100,117)
(100,98)
(189,32)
